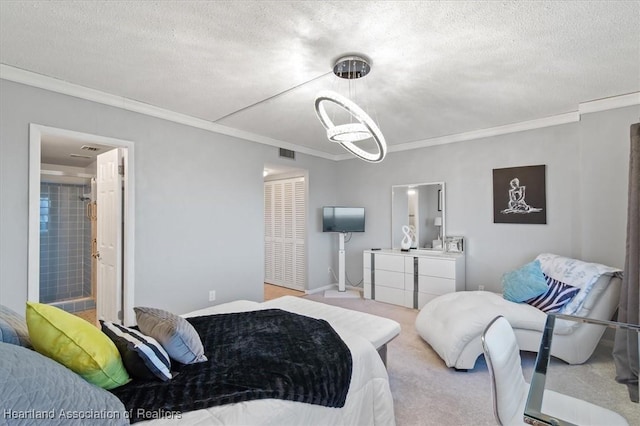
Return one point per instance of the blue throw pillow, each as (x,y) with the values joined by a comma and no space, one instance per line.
(524,283)
(557,295)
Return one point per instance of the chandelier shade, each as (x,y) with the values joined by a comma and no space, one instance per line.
(361,126)
(347,134)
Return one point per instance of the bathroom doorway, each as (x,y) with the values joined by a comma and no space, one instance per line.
(67,232)
(64,261)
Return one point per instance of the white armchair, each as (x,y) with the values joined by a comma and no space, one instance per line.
(453,323)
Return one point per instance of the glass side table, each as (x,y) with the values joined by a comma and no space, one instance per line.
(593,381)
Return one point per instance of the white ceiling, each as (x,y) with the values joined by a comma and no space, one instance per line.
(439,68)
(67,151)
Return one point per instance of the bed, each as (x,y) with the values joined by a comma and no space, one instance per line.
(377,330)
(369,400)
(367,395)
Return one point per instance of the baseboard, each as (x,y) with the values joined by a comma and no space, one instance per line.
(320,289)
(347,294)
(331,287)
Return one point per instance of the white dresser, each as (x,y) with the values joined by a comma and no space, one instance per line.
(411,278)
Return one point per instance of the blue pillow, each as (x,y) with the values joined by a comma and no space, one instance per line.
(557,295)
(524,283)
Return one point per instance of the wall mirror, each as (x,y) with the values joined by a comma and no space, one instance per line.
(421,207)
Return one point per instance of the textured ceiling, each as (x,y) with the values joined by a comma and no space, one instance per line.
(439,68)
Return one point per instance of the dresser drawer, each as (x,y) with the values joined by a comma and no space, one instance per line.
(409,281)
(389,262)
(437,267)
(408,264)
(436,285)
(389,279)
(390,295)
(366,260)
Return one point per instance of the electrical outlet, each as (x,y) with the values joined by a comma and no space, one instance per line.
(212,295)
(329,269)
(481,287)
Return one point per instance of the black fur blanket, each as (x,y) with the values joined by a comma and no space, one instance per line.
(251,355)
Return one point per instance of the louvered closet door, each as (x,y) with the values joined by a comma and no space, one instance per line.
(278,234)
(268,232)
(285,218)
(299,233)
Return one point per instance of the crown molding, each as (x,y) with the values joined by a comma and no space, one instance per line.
(605,104)
(609,103)
(41,81)
(540,123)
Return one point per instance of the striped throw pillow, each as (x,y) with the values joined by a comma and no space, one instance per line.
(143,356)
(557,295)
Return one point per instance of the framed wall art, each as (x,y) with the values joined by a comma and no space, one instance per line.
(519,195)
(454,244)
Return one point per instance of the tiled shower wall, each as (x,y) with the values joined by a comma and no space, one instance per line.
(65,238)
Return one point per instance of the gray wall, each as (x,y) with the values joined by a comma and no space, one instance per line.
(199,201)
(586,175)
(604,163)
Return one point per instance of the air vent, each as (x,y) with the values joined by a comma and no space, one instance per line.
(90,148)
(79,156)
(287,153)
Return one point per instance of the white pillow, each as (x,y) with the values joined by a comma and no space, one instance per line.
(576,273)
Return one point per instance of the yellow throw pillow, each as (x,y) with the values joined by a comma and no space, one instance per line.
(76,344)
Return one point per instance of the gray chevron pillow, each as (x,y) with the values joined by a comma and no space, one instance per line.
(175,334)
(34,385)
(13,328)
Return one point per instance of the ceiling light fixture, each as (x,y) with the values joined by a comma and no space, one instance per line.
(351,68)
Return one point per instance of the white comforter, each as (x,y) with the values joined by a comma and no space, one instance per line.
(369,401)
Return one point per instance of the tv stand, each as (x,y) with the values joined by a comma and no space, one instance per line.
(342,275)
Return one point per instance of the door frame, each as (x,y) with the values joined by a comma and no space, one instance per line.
(36,133)
(291,174)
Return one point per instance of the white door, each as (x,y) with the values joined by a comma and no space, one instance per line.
(109,205)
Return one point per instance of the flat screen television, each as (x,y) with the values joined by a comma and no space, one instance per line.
(342,219)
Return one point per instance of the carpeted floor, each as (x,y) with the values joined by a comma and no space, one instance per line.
(426,392)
